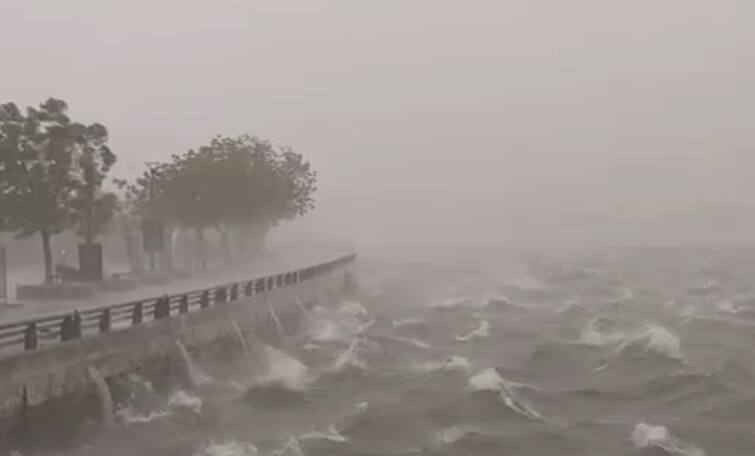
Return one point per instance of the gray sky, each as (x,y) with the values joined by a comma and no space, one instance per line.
(429,119)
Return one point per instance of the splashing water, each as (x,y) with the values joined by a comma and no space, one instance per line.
(278,324)
(481,331)
(649,436)
(285,370)
(183,400)
(128,416)
(197,377)
(177,402)
(241,338)
(349,358)
(489,380)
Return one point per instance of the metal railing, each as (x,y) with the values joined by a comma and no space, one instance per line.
(34,333)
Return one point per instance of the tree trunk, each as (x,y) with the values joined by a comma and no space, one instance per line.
(200,253)
(226,240)
(47,252)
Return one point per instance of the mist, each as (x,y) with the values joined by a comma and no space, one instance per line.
(432,122)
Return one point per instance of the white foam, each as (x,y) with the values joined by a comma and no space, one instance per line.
(456,363)
(284,369)
(352,308)
(654,337)
(230,448)
(450,364)
(487,380)
(490,380)
(727,307)
(482,330)
(349,358)
(410,341)
(182,400)
(452,434)
(342,325)
(663,341)
(128,416)
(448,303)
(648,436)
(291,448)
(331,434)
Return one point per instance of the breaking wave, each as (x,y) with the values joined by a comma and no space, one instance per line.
(481,331)
(488,380)
(650,436)
(623,336)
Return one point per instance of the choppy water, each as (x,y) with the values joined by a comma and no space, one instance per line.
(649,352)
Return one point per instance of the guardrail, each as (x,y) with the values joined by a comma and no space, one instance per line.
(34,333)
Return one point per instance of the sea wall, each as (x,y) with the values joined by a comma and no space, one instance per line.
(33,379)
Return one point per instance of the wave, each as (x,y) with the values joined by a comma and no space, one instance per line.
(481,331)
(330,434)
(291,448)
(340,325)
(349,358)
(179,401)
(624,336)
(728,308)
(450,364)
(229,448)
(489,380)
(284,370)
(454,302)
(649,436)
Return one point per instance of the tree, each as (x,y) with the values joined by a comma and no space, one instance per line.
(37,179)
(93,208)
(51,171)
(240,184)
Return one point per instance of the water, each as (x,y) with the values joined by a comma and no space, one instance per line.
(196,375)
(242,340)
(278,324)
(613,353)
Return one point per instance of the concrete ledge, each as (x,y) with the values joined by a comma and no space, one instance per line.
(34,378)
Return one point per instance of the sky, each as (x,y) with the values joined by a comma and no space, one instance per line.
(429,120)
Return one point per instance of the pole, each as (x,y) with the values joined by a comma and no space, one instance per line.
(151,167)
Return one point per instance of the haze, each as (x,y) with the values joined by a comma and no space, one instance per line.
(440,121)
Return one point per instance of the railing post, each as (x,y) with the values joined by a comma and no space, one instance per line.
(183,305)
(220,295)
(137,315)
(30,337)
(76,324)
(162,308)
(105,320)
(279,281)
(234,292)
(204,301)
(249,288)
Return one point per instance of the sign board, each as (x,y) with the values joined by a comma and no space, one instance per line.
(3,277)
(153,236)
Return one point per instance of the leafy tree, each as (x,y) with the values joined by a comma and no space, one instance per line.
(51,170)
(37,179)
(241,184)
(93,208)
